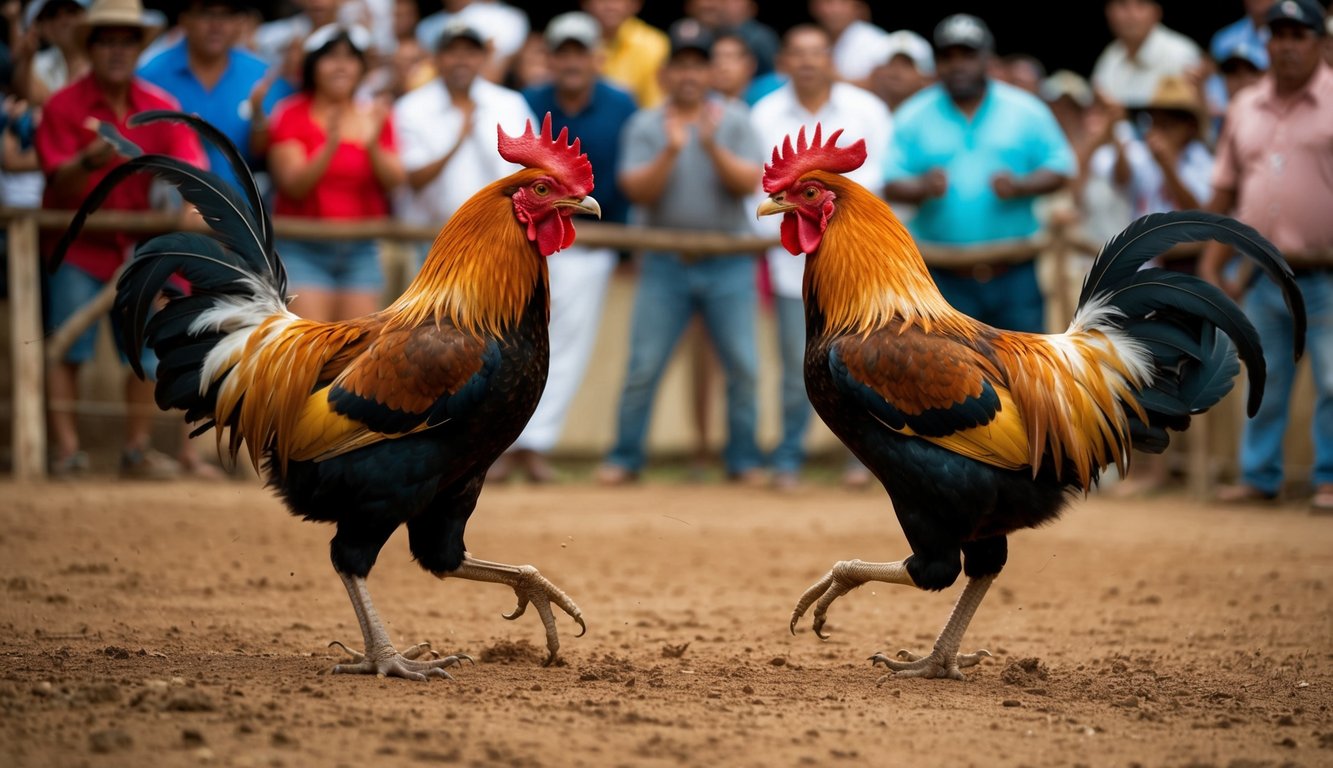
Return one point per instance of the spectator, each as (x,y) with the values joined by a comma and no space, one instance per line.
(733,67)
(41,73)
(1143,51)
(210,76)
(503,30)
(1247,37)
(447,130)
(1275,172)
(275,39)
(855,39)
(904,65)
(1022,70)
(814,95)
(691,165)
(737,17)
(1169,169)
(635,50)
(975,154)
(74,160)
(594,111)
(333,158)
(1238,68)
(531,66)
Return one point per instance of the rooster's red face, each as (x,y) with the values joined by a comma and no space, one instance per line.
(545,206)
(805,207)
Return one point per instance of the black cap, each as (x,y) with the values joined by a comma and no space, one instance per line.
(459,30)
(1307,13)
(965,31)
(689,35)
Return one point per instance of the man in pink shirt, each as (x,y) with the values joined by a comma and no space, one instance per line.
(1274,171)
(74,159)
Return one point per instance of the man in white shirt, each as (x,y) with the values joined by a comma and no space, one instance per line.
(812,95)
(855,38)
(446,130)
(1142,53)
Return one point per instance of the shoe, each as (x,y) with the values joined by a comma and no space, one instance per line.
(198,469)
(539,470)
(786,482)
(856,478)
(754,477)
(71,467)
(1322,503)
(1243,494)
(148,464)
(613,475)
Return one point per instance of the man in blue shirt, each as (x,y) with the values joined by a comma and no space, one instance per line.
(974,154)
(594,112)
(208,75)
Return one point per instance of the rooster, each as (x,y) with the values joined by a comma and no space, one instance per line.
(976,432)
(385,420)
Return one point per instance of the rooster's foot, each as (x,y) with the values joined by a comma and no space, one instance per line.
(936,665)
(532,587)
(387,662)
(842,578)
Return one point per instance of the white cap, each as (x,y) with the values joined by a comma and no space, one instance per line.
(907,43)
(575,26)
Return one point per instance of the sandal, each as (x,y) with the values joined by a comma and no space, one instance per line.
(1322,503)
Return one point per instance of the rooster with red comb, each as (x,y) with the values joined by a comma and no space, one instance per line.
(387,420)
(977,432)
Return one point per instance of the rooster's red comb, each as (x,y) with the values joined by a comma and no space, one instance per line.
(791,164)
(561,159)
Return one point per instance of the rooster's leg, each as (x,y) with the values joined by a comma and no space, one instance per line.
(845,576)
(531,587)
(381,658)
(944,660)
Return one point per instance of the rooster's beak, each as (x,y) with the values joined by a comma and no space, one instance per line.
(774,205)
(586,205)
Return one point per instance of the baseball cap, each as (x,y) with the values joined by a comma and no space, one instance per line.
(907,43)
(963,30)
(458,29)
(1242,50)
(1307,13)
(1064,82)
(574,26)
(689,35)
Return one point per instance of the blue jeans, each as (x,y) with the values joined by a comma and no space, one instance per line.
(68,289)
(332,265)
(789,454)
(1261,438)
(722,290)
(1011,300)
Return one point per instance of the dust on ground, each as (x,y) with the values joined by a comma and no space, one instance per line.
(188,623)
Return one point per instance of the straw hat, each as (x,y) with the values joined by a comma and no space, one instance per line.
(114,13)
(1176,94)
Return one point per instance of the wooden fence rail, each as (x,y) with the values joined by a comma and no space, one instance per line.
(31,349)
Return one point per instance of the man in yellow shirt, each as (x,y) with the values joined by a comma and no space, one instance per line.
(634,49)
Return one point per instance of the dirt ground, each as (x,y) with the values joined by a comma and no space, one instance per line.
(188,623)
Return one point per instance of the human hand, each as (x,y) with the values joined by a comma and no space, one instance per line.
(935,182)
(1005,186)
(378,117)
(676,130)
(1163,151)
(258,94)
(708,123)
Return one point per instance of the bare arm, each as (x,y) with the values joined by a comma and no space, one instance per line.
(917,189)
(293,174)
(1216,255)
(70,179)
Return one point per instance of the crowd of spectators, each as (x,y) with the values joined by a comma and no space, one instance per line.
(367,109)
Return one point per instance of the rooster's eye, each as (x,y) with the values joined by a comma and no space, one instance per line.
(541,189)
(810,193)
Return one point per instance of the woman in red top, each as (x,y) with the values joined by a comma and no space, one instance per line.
(333,157)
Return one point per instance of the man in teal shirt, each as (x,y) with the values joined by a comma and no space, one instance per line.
(974,154)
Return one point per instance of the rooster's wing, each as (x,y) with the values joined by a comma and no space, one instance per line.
(404,381)
(934,387)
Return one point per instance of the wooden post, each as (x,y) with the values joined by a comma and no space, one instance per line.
(25,307)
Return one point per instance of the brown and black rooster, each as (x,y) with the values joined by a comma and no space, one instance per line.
(386,420)
(977,432)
